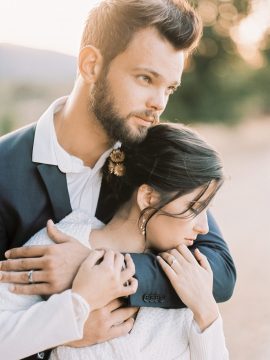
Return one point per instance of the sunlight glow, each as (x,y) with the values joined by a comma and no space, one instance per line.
(249,34)
(52,25)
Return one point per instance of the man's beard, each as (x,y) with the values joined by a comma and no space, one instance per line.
(116,127)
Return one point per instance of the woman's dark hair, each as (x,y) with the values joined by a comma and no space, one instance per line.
(112,24)
(174,161)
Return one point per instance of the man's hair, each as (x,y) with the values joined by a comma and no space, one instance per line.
(111,25)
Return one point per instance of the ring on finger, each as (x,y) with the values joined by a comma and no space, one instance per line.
(174,261)
(30,276)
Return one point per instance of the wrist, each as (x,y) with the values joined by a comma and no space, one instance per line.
(206,314)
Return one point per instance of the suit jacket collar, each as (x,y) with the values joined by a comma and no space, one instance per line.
(56,185)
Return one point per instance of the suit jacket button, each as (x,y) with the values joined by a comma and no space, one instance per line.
(40,355)
(146,298)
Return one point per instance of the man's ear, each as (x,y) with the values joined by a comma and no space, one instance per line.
(90,63)
(146,196)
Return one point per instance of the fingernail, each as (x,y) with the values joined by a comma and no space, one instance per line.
(50,222)
(7,253)
(158,257)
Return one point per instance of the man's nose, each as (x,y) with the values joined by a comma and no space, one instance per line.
(157,101)
(201,224)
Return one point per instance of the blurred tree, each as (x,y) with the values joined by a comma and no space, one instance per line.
(6,123)
(217,82)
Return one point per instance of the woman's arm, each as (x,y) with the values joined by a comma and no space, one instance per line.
(29,325)
(192,280)
(43,325)
(209,344)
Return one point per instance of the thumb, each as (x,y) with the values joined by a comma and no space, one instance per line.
(202,260)
(56,235)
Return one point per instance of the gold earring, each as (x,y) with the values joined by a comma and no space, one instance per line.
(143,226)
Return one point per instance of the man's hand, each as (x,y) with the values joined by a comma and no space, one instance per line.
(106,323)
(55,266)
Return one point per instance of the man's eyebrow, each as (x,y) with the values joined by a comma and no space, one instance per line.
(156,75)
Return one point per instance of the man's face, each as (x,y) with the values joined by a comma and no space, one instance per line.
(133,94)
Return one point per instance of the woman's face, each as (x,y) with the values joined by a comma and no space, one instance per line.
(165,232)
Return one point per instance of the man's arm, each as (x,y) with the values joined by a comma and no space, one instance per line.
(154,288)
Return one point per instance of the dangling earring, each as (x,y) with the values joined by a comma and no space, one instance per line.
(143,226)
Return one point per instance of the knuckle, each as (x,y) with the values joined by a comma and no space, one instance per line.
(5,277)
(51,250)
(49,263)
(4,265)
(22,263)
(24,277)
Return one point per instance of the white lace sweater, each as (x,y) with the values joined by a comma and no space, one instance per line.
(158,334)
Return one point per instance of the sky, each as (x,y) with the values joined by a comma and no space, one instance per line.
(44,24)
(57,24)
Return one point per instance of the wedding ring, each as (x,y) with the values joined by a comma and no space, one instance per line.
(30,276)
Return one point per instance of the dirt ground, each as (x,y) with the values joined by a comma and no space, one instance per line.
(242,211)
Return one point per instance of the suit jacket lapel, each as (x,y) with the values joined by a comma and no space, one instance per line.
(56,185)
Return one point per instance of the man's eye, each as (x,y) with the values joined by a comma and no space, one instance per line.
(145,78)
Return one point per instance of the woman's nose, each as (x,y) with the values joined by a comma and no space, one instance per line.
(201,224)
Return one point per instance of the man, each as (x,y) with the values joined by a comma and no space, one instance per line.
(131,60)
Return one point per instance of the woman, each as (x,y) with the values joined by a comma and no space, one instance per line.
(164,187)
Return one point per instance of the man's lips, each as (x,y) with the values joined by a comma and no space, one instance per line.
(153,119)
(145,120)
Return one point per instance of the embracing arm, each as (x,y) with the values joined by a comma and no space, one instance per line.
(154,288)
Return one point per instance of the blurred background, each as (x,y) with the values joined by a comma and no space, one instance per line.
(225,95)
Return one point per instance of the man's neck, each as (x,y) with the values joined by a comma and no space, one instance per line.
(79,132)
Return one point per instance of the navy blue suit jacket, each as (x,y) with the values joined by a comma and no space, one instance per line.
(32,193)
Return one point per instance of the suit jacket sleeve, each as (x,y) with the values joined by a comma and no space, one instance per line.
(154,287)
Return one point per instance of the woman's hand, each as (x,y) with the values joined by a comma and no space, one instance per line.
(192,279)
(101,282)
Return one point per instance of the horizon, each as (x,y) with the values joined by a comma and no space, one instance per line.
(19,18)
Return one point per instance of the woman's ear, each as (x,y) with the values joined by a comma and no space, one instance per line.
(146,196)
(90,64)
